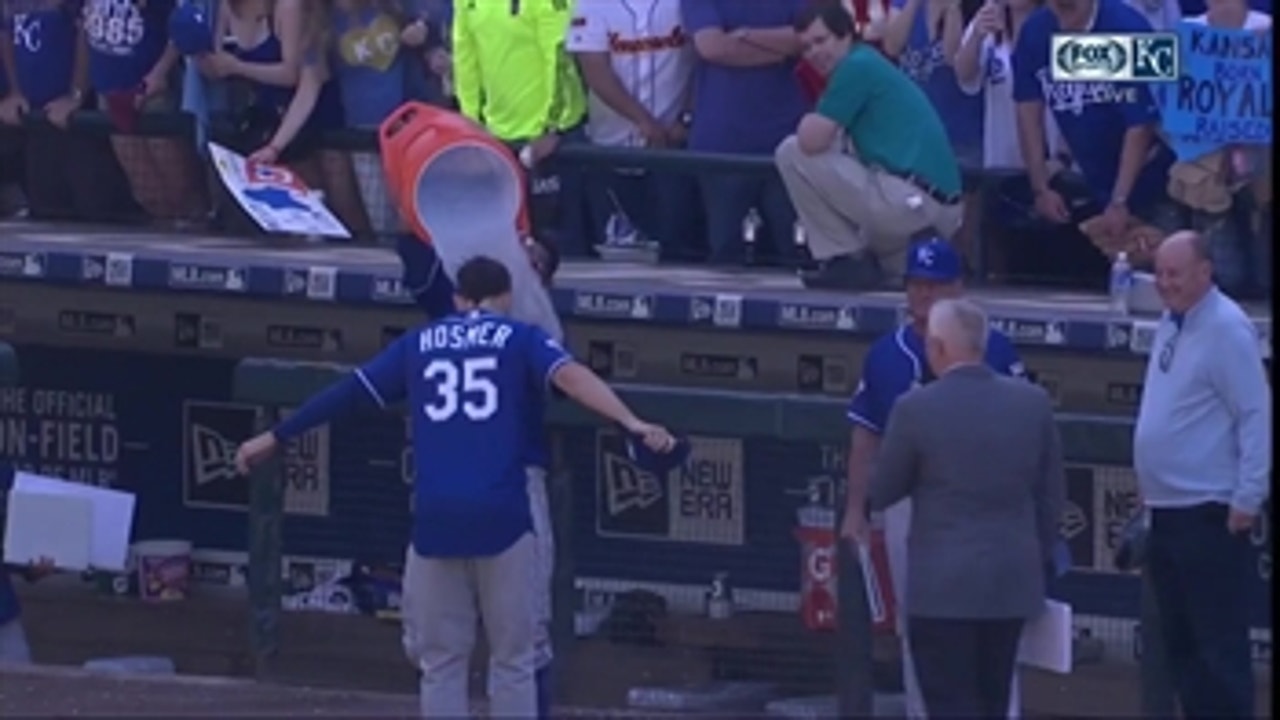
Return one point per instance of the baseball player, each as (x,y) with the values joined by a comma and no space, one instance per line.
(469,380)
(894,365)
(433,292)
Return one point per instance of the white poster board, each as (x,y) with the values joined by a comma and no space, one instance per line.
(277,199)
(1046,639)
(46,519)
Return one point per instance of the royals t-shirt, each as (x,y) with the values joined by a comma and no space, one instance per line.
(1093,116)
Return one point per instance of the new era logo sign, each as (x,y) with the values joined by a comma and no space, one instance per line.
(627,487)
(1142,57)
(211,432)
(212,456)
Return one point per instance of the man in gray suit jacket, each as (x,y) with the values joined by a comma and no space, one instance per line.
(980,458)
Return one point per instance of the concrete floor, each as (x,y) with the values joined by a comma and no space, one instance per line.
(358,661)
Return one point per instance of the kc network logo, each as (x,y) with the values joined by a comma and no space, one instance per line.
(1141,57)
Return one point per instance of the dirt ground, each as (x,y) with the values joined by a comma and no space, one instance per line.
(206,640)
(71,693)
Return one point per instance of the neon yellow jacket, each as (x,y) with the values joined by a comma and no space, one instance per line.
(510,70)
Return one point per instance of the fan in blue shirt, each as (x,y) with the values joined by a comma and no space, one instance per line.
(48,57)
(1109,127)
(471,381)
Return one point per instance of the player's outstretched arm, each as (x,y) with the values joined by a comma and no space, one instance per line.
(377,384)
(587,389)
(339,400)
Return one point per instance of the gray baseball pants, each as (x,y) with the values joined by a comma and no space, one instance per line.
(443,599)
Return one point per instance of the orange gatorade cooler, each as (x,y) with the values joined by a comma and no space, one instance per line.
(460,190)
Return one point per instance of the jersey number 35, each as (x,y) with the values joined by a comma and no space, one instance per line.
(462,385)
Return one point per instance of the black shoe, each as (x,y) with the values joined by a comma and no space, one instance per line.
(846,272)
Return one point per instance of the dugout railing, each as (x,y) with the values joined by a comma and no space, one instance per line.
(850,664)
(590,161)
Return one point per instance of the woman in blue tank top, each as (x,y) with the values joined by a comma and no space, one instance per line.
(277,50)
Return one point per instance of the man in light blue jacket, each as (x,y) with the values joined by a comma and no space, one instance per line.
(1202,452)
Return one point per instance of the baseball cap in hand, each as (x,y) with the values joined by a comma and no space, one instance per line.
(933,259)
(190,30)
(658,463)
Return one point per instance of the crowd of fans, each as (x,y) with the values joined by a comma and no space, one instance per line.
(278,79)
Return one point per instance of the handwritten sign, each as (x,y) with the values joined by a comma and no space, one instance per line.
(1224,93)
(274,197)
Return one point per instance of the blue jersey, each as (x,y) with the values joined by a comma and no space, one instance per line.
(126,40)
(472,382)
(432,290)
(896,363)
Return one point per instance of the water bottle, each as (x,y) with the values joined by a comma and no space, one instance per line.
(719,598)
(750,232)
(1121,283)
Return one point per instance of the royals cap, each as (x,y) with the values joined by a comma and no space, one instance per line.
(190,30)
(658,463)
(933,259)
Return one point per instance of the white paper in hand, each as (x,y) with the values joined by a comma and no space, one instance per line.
(43,526)
(112,515)
(1046,639)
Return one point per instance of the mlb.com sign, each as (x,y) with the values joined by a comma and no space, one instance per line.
(1136,57)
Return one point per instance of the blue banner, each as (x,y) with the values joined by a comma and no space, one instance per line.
(1224,93)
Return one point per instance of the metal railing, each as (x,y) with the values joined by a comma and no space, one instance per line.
(571,157)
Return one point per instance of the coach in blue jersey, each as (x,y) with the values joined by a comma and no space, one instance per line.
(894,365)
(469,380)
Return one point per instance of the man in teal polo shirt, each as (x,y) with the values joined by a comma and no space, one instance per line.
(871,166)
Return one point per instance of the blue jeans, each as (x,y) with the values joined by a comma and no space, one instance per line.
(727,200)
(1237,252)
(1262,255)
(660,205)
(1202,576)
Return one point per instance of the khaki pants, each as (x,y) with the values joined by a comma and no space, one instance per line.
(442,601)
(847,207)
(897,528)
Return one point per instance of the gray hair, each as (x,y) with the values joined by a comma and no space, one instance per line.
(960,325)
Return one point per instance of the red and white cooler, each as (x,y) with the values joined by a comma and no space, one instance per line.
(816,533)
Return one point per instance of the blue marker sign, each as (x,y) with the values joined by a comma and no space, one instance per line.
(1223,96)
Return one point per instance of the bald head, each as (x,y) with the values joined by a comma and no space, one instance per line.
(1184,247)
(1184,270)
(957,334)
